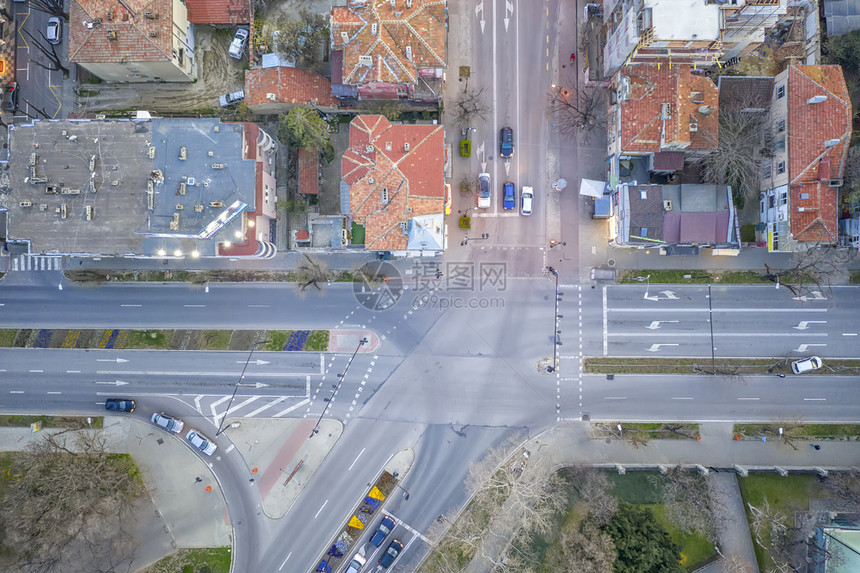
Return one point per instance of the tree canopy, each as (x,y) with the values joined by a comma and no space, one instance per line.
(643,545)
(303,127)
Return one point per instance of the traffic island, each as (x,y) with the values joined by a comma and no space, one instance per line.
(343,545)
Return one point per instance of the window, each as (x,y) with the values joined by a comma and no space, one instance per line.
(780,92)
(780,144)
(780,126)
(804,195)
(643,194)
(783,198)
(643,232)
(780,167)
(771,201)
(762,206)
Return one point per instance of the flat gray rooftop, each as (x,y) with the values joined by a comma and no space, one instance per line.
(153,186)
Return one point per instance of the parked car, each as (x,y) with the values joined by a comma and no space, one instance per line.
(805,365)
(10,96)
(509,195)
(526,197)
(54,34)
(201,442)
(168,423)
(484,191)
(386,527)
(237,46)
(358,561)
(120,405)
(394,549)
(232,98)
(506,142)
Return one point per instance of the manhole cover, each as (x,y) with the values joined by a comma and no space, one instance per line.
(611,262)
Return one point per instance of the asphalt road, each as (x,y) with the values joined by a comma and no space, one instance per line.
(41,89)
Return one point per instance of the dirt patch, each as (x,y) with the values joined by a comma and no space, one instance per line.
(217,73)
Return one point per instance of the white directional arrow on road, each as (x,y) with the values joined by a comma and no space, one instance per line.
(804,324)
(115,383)
(257,385)
(509,11)
(117,360)
(483,159)
(803,347)
(670,295)
(479,13)
(507,166)
(656,347)
(816,295)
(257,362)
(655,324)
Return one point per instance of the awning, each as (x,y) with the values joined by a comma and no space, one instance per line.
(592,188)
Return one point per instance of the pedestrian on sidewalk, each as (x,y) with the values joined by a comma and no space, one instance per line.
(816,446)
(573,57)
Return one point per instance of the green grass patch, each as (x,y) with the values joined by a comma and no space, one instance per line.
(786,494)
(51,421)
(729,366)
(657,431)
(277,340)
(748,233)
(194,561)
(635,487)
(88,93)
(153,339)
(216,340)
(7,337)
(664,276)
(694,548)
(317,341)
(813,431)
(855,277)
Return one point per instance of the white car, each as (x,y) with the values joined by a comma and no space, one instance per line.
(54,34)
(201,442)
(231,98)
(806,365)
(356,564)
(527,195)
(484,191)
(237,46)
(168,423)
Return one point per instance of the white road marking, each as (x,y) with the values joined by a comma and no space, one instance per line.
(230,449)
(70,371)
(605,325)
(749,398)
(16,391)
(36,371)
(716,310)
(804,324)
(285,561)
(815,399)
(261,408)
(291,408)
(803,347)
(54,392)
(356,459)
(258,306)
(682,398)
(615,397)
(656,347)
(130,305)
(320,510)
(194,305)
(212,374)
(849,334)
(719,334)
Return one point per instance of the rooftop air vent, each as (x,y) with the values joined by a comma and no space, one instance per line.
(817,99)
(365,61)
(373,29)
(111,34)
(344,37)
(832,142)
(406,146)
(409,53)
(665,111)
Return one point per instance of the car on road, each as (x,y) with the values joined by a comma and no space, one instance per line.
(10,96)
(506,142)
(526,197)
(120,405)
(358,561)
(386,527)
(54,34)
(201,442)
(394,549)
(509,195)
(232,98)
(484,191)
(805,365)
(237,46)
(168,423)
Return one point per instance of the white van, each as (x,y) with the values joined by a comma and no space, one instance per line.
(527,195)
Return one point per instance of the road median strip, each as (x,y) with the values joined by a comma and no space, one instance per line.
(611,365)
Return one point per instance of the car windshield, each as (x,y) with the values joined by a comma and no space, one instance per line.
(392,551)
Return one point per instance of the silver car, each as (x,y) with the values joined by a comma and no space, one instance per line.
(168,423)
(237,46)
(232,98)
(201,442)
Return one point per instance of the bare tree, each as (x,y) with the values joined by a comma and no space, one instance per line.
(55,63)
(736,159)
(311,273)
(469,105)
(812,265)
(583,547)
(846,487)
(593,487)
(52,7)
(788,542)
(735,563)
(688,501)
(67,494)
(577,110)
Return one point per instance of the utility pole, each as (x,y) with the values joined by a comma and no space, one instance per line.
(236,388)
(710,321)
(316,429)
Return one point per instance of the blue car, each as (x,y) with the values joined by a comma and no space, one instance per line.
(506,142)
(510,200)
(394,549)
(385,528)
(119,405)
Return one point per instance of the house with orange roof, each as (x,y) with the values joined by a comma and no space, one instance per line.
(394,176)
(664,113)
(271,90)
(391,49)
(132,40)
(810,120)
(218,11)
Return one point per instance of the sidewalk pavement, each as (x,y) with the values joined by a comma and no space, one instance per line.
(734,528)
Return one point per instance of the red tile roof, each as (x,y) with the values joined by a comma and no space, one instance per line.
(381,34)
(309,171)
(219,11)
(819,135)
(303,235)
(133,41)
(687,94)
(413,179)
(290,85)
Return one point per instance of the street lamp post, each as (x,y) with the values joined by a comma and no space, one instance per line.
(316,429)
(555,340)
(647,281)
(236,388)
(710,321)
